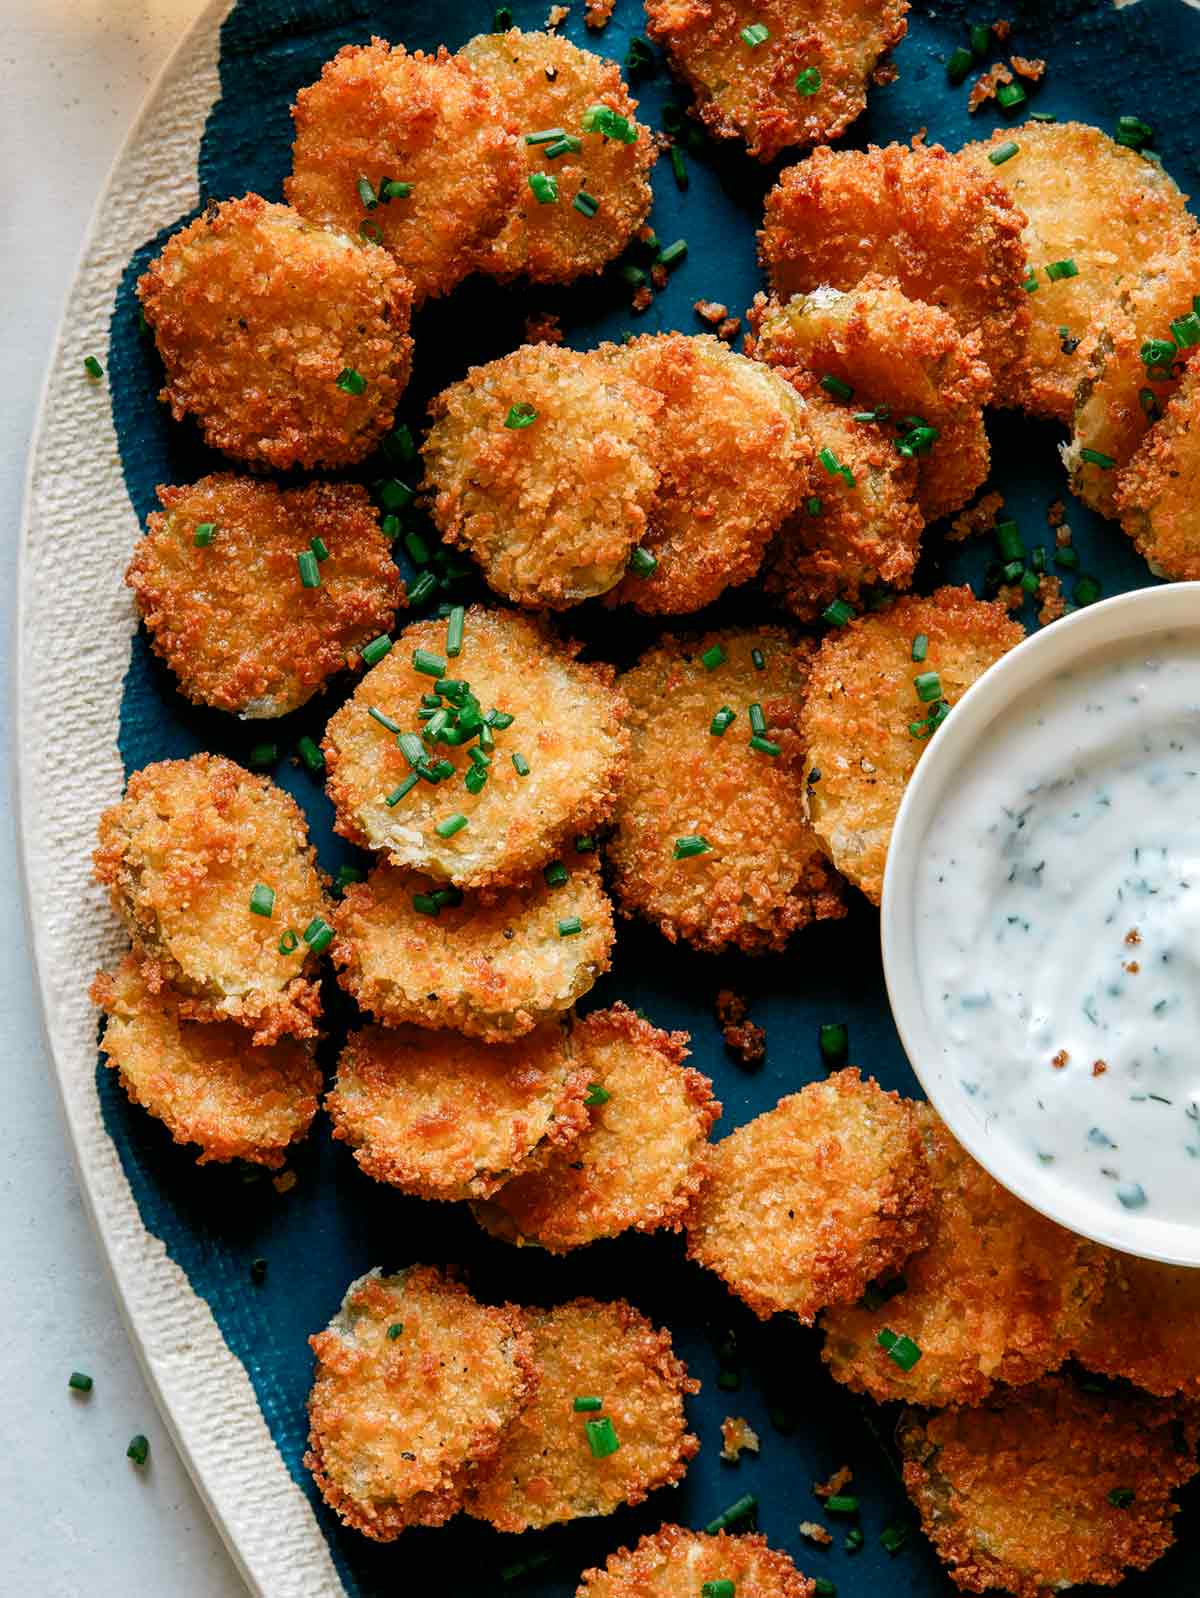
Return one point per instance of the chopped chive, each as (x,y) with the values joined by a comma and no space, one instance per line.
(418,549)
(422,589)
(586,204)
(757,33)
(679,167)
(400,445)
(917,441)
(894,1536)
(1011,572)
(1186,331)
(384,720)
(394,189)
(808,81)
(741,1509)
(439,771)
(833,1040)
(813,505)
(310,572)
(928,685)
(1030,285)
(842,1504)
(520,415)
(596,1094)
(393,494)
(569,926)
(475,779)
(642,563)
(319,548)
(693,844)
(823,1587)
(401,789)
(502,19)
(634,276)
(1159,351)
(584,1403)
(258,1272)
(556,875)
(92,367)
(390,528)
(611,124)
(545,136)
(425,904)
(138,1450)
(1008,541)
(455,626)
(959,64)
(639,58)
(567,145)
(545,187)
(854,1540)
(1060,269)
(1119,1498)
(520,765)
(1043,116)
(981,38)
(758,718)
(350,381)
(310,754)
(829,461)
(263,755)
(1096,457)
(289,942)
(1010,94)
(479,757)
(602,1438)
(899,1348)
(262,900)
(920,647)
(318,934)
(451,825)
(428,664)
(395,1330)
(838,613)
(835,386)
(722,1587)
(712,657)
(371,230)
(367,194)
(499,719)
(204,534)
(585,843)
(1003,152)
(673,254)
(371,654)
(1133,132)
(722,721)
(1087,591)
(758,659)
(80,1381)
(764,746)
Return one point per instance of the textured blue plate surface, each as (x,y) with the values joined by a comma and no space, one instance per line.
(1145,60)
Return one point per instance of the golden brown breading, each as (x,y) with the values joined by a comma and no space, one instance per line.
(1120,396)
(546,1470)
(257,314)
(543,81)
(812,1200)
(181,855)
(1158,493)
(378,112)
(845,536)
(199,1079)
(641,1160)
(1000,1294)
(1091,201)
(752,92)
(1048,1487)
(568,727)
(416,1386)
(1146,1327)
(551,510)
(899,354)
(674,1562)
(763,875)
(728,444)
(447,1117)
(232,618)
(861,703)
(493,966)
(948,235)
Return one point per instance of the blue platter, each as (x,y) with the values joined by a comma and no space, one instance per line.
(1143,59)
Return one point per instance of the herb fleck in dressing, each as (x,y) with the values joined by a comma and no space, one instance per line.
(1058,918)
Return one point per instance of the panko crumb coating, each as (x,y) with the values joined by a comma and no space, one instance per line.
(898,353)
(257,313)
(553,508)
(812,1200)
(447,1117)
(1088,200)
(861,702)
(949,236)
(568,726)
(232,618)
(1120,396)
(379,112)
(400,1421)
(728,445)
(492,967)
(545,1470)
(999,1294)
(845,537)
(750,92)
(181,855)
(1146,1327)
(674,1562)
(543,81)
(199,1078)
(1158,493)
(643,1156)
(1048,1487)
(764,875)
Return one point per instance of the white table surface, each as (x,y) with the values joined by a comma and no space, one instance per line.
(79,1518)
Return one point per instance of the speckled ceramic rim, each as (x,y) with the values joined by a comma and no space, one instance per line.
(1141,613)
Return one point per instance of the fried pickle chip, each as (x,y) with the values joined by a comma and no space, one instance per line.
(863,723)
(1091,204)
(674,1562)
(948,235)
(728,444)
(804,82)
(1048,1487)
(227,608)
(542,464)
(380,116)
(1130,372)
(577,208)
(447,1117)
(858,525)
(641,1160)
(1146,1327)
(1158,493)
(814,1199)
(287,342)
(560,746)
(902,360)
(199,1079)
(999,1294)
(492,966)
(558,1463)
(211,869)
(711,842)
(416,1385)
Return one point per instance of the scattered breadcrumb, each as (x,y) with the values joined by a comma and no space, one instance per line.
(1027,68)
(986,84)
(1057,514)
(285,1181)
(1050,600)
(598,13)
(730,1007)
(646,235)
(658,276)
(977,518)
(711,311)
(1002,27)
(729,329)
(841,1478)
(737,1437)
(557,14)
(746,1042)
(887,72)
(816,1533)
(542,327)
(1063,536)
(641,299)
(1011,596)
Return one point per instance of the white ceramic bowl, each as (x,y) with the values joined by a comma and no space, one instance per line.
(930,791)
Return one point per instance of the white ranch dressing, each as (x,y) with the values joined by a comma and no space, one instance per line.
(1057,918)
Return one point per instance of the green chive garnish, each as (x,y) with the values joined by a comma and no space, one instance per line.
(263,755)
(395,1330)
(451,825)
(318,934)
(758,718)
(585,843)
(319,548)
(741,1509)
(310,572)
(721,1588)
(842,1504)
(1003,152)
(80,1381)
(920,647)
(262,900)
(556,875)
(583,1404)
(596,1095)
(384,720)
(394,495)
(602,1438)
(567,145)
(712,657)
(722,721)
(838,613)
(758,659)
(642,563)
(520,765)
(900,1349)
(502,19)
(1030,285)
(289,942)
(402,789)
(1096,457)
(455,626)
(520,415)
(92,367)
(823,1587)
(1186,331)
(604,120)
(673,254)
(959,64)
(895,1536)
(428,664)
(138,1450)
(545,136)
(835,386)
(693,844)
(813,505)
(757,33)
(350,381)
(425,904)
(569,926)
(854,1540)
(367,194)
(394,189)
(258,1272)
(1119,1498)
(1087,591)
(422,589)
(371,230)
(764,746)
(545,188)
(829,461)
(808,81)
(372,653)
(310,754)
(1009,94)
(586,204)
(204,534)
(1009,542)
(1060,269)
(833,1040)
